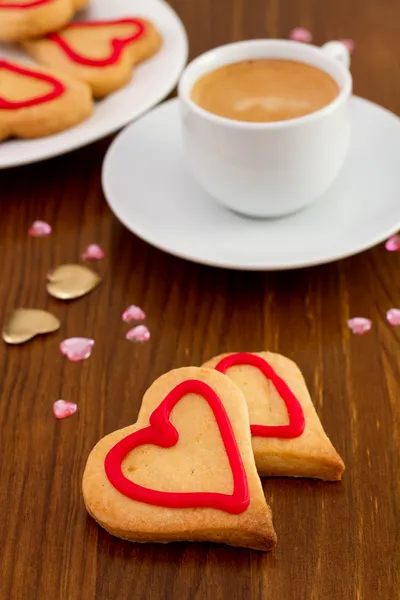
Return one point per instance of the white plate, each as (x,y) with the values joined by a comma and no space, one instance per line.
(152,81)
(150,189)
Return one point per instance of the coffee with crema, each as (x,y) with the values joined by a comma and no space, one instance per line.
(264,90)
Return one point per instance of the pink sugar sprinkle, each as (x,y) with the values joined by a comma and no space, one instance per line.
(359,325)
(133,313)
(393,316)
(349,44)
(77,348)
(93,252)
(300,34)
(39,229)
(63,409)
(393,243)
(140,333)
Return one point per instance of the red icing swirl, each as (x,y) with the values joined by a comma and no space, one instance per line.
(21,5)
(162,433)
(296,424)
(57,88)
(117,44)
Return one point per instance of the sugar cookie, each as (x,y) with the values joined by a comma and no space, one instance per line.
(185,470)
(100,53)
(21,19)
(35,102)
(276,393)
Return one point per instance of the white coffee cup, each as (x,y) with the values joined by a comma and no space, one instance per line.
(268,169)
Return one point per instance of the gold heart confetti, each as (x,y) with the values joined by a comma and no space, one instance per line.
(67,282)
(25,323)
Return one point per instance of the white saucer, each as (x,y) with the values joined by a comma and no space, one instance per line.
(150,189)
(152,81)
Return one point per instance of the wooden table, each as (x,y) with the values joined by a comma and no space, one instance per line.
(336,541)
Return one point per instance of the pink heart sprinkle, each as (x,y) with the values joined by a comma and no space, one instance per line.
(359,325)
(300,34)
(62,409)
(133,313)
(349,44)
(393,243)
(93,252)
(140,333)
(39,229)
(77,348)
(393,316)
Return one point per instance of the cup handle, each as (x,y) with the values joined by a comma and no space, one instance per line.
(338,51)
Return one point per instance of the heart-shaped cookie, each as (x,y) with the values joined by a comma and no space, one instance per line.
(288,438)
(35,102)
(25,323)
(5,4)
(22,19)
(296,424)
(67,282)
(101,53)
(185,470)
(103,32)
(54,87)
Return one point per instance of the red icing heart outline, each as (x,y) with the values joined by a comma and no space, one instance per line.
(297,423)
(32,4)
(162,433)
(117,44)
(58,87)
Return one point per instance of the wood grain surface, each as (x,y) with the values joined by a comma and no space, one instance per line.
(336,541)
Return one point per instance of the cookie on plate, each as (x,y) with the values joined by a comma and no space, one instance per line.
(100,53)
(21,19)
(287,435)
(36,102)
(184,471)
